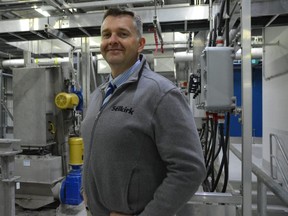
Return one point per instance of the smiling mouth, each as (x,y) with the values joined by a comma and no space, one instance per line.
(113,50)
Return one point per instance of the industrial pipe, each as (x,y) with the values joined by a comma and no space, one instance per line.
(178,57)
(256,53)
(41,62)
(183,56)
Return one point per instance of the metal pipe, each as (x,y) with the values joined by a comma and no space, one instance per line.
(256,53)
(178,56)
(210,15)
(40,62)
(227,23)
(183,57)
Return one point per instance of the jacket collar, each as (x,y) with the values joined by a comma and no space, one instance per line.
(134,77)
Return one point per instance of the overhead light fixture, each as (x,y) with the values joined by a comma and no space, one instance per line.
(43,12)
(72,10)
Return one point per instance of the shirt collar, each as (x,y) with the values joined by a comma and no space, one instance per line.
(123,77)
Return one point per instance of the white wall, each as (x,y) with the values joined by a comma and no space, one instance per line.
(275,87)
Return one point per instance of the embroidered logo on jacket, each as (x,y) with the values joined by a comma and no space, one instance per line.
(123,109)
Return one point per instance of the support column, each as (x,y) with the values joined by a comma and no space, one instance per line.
(246,107)
(261,198)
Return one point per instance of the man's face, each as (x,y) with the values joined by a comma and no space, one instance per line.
(120,44)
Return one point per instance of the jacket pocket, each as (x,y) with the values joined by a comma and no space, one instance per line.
(115,183)
(132,191)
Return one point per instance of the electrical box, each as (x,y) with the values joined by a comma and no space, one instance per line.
(216,73)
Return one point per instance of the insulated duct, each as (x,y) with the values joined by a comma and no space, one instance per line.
(256,53)
(183,56)
(15,63)
(178,57)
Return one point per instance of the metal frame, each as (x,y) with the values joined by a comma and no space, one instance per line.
(263,181)
(8,149)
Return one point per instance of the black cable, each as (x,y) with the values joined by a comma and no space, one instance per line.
(216,17)
(202,132)
(222,146)
(222,6)
(213,152)
(210,161)
(208,151)
(210,37)
(224,142)
(210,144)
(226,169)
(219,146)
(210,154)
(206,148)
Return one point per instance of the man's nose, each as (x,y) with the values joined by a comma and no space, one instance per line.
(113,39)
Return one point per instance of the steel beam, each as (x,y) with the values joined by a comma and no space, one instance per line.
(59,35)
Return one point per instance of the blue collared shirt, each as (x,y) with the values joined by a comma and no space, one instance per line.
(122,78)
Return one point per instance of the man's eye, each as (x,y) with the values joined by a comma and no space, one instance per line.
(124,34)
(105,35)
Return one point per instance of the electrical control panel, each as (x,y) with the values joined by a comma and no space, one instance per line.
(214,91)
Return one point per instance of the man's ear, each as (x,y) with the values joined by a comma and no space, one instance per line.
(142,43)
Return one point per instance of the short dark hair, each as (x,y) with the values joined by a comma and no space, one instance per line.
(123,11)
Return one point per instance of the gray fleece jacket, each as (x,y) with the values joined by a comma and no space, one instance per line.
(142,154)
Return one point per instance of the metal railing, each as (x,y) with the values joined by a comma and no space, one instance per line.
(264,181)
(273,158)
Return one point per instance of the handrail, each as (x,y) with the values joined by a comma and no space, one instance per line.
(216,198)
(275,158)
(281,171)
(266,179)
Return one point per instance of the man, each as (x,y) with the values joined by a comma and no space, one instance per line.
(142,151)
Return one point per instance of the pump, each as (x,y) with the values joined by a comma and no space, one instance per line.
(70,190)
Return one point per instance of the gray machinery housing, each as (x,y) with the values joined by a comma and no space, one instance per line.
(39,126)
